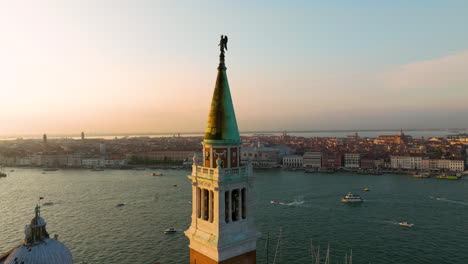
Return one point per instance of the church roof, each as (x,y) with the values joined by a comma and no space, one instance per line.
(222,127)
(49,252)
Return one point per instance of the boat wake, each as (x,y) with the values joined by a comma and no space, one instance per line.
(449,201)
(137,202)
(389,222)
(295,203)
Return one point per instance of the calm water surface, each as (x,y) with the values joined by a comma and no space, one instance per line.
(85,216)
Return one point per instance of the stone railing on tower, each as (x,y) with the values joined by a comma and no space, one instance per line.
(222,174)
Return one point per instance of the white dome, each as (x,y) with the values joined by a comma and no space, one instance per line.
(49,252)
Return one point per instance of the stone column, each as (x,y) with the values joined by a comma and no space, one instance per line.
(210,206)
(202,203)
(230,206)
(239,206)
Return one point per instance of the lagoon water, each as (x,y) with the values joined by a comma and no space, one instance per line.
(84,214)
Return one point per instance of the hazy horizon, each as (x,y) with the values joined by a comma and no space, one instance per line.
(133,67)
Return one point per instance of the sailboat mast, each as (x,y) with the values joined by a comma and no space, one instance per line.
(277,246)
(327,258)
(317,257)
(267,245)
(312,251)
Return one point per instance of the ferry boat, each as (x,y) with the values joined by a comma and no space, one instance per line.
(352,198)
(406,224)
(448,177)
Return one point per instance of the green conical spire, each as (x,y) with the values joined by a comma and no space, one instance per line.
(222,125)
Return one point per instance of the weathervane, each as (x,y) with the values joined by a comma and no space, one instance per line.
(222,47)
(223,43)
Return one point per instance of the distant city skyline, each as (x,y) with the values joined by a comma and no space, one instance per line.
(148,66)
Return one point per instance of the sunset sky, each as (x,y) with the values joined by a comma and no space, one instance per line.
(150,66)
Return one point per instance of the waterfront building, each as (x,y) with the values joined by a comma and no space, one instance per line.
(222,229)
(425,163)
(93,162)
(166,154)
(54,160)
(446,164)
(367,163)
(406,162)
(23,161)
(332,160)
(293,161)
(260,157)
(38,247)
(457,165)
(36,159)
(74,160)
(351,160)
(115,162)
(312,159)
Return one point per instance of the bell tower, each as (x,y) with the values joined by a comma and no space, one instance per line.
(222,228)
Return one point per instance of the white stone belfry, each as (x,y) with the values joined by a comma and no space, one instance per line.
(222,212)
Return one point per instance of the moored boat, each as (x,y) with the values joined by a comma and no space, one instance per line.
(421,175)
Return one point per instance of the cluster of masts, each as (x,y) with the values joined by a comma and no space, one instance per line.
(315,253)
(317,259)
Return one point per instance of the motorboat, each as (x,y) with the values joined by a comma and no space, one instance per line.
(406,224)
(50,169)
(366,189)
(170,231)
(120,205)
(352,198)
(157,174)
(175,185)
(274,202)
(3,175)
